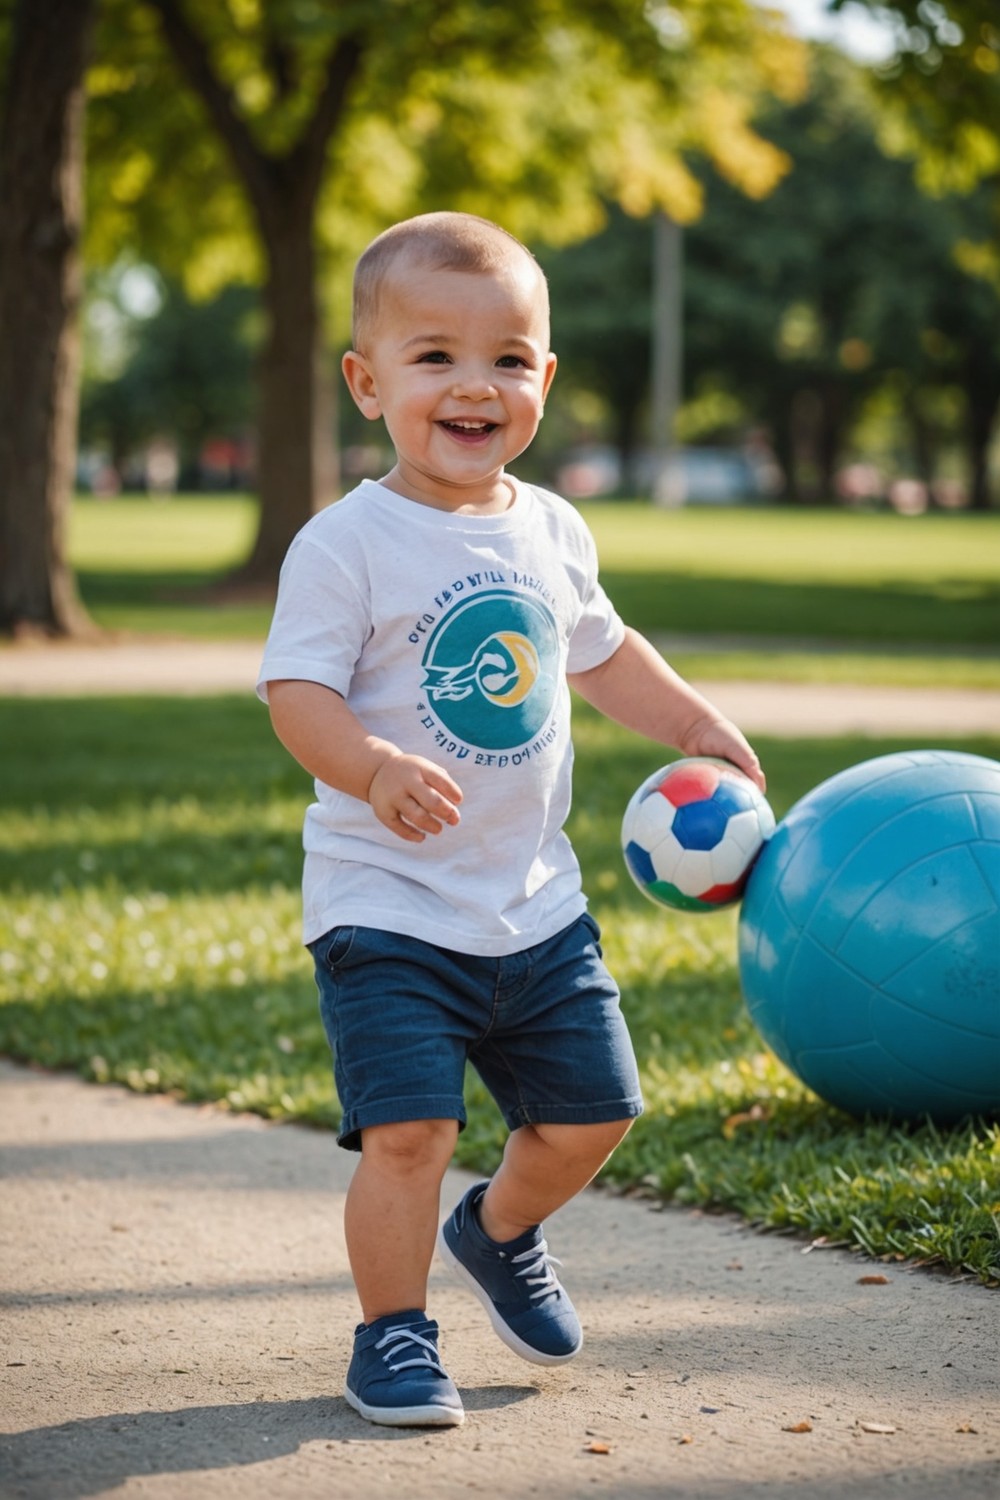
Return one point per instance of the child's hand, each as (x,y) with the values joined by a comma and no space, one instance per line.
(413,797)
(721,738)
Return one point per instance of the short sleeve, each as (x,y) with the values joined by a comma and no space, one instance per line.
(321,619)
(599,630)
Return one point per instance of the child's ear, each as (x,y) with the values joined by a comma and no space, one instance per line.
(550,370)
(361,384)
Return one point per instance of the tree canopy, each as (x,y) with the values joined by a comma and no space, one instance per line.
(847,282)
(237,140)
(940,91)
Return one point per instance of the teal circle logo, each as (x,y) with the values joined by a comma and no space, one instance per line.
(492,669)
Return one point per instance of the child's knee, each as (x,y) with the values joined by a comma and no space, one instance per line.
(410,1145)
(585,1142)
(609,1134)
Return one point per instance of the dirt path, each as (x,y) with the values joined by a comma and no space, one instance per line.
(185,667)
(179,1313)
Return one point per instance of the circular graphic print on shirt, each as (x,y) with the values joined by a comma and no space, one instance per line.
(492,668)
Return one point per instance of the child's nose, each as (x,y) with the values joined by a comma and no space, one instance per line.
(474,385)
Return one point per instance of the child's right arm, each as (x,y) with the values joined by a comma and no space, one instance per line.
(410,795)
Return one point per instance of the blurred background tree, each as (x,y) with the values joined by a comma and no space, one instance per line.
(940,89)
(848,314)
(269,143)
(162,369)
(842,280)
(42,58)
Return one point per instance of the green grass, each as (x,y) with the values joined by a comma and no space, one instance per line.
(905,582)
(150,935)
(145,565)
(885,598)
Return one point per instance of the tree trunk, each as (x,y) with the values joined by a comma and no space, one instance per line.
(922,436)
(779,423)
(283,190)
(326,446)
(626,426)
(829,440)
(286,416)
(982,411)
(41,210)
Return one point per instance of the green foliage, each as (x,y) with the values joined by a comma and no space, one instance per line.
(941,89)
(845,278)
(845,281)
(151,937)
(185,369)
(535,115)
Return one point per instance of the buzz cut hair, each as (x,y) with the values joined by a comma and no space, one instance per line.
(439,241)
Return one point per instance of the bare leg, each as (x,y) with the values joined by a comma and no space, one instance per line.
(543,1167)
(392,1210)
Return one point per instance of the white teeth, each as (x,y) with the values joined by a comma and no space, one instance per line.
(470,426)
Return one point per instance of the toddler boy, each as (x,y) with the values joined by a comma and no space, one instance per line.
(427,630)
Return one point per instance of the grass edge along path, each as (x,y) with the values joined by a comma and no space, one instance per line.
(151,900)
(799,595)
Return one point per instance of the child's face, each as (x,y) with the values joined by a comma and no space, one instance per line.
(458,366)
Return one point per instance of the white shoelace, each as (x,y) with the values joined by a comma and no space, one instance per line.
(538,1272)
(398,1339)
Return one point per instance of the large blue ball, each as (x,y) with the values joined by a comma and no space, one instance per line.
(869,937)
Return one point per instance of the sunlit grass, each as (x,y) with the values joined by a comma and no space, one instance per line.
(858,667)
(892,599)
(203,534)
(150,935)
(953,553)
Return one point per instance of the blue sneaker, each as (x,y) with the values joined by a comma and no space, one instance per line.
(516,1284)
(395,1376)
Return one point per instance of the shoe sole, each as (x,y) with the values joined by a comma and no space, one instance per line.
(405,1416)
(503,1332)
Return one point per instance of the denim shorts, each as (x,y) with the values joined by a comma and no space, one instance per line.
(543,1028)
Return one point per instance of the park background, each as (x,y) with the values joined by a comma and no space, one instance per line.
(776,298)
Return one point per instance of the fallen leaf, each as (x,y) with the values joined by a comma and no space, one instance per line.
(597,1445)
(873,1281)
(755,1115)
(804,1426)
(882,1427)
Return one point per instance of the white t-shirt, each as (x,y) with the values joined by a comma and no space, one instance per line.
(450,636)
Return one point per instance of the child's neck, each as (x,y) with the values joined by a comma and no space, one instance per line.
(499,497)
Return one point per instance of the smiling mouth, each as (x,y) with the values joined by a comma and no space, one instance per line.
(469,429)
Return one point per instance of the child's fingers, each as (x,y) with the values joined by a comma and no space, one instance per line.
(402,830)
(413,797)
(442,782)
(749,764)
(428,810)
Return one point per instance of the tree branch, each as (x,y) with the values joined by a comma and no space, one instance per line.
(310,153)
(300,173)
(252,165)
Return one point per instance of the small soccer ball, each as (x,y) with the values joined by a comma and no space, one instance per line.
(692,831)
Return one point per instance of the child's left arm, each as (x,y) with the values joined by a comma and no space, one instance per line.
(637,688)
